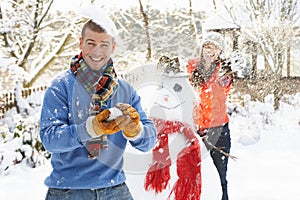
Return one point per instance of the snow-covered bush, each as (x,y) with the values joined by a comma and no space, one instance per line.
(252,118)
(20,142)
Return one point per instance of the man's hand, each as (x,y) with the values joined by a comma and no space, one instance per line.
(109,121)
(103,126)
(131,124)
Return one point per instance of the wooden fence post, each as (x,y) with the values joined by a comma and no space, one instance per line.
(8,100)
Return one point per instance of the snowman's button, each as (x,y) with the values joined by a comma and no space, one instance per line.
(177,87)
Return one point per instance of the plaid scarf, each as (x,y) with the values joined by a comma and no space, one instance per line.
(101,88)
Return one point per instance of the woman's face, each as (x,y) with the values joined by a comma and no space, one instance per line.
(96,48)
(210,52)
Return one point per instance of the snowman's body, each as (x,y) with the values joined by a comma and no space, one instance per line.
(167,96)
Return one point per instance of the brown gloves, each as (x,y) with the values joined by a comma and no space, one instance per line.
(102,126)
(131,124)
(121,117)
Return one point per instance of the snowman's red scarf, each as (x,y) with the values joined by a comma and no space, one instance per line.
(188,185)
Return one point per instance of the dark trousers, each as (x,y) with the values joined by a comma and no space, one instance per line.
(220,137)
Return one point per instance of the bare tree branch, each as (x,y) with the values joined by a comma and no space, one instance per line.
(146,22)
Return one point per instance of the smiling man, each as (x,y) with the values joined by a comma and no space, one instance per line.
(76,125)
(96,48)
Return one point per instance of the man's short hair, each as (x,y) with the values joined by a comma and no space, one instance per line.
(92,26)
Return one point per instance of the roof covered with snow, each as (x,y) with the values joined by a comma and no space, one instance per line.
(219,21)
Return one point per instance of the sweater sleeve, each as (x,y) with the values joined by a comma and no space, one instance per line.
(58,135)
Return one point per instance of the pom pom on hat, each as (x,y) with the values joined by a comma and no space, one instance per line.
(214,38)
(99,16)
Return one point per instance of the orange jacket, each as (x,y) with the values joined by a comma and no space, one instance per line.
(211,110)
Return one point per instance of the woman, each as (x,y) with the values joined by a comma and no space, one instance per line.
(212,82)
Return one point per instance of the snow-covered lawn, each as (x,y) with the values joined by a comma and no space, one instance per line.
(266,168)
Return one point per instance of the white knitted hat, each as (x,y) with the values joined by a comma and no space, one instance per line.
(215,38)
(98,16)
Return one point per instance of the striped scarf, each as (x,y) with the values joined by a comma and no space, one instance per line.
(101,88)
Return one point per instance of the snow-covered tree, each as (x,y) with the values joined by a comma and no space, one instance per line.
(268,25)
(32,35)
(170,33)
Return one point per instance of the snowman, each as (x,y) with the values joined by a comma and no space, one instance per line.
(168,98)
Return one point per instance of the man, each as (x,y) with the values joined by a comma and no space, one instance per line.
(78,127)
(212,82)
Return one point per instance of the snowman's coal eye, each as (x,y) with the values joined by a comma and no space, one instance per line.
(177,87)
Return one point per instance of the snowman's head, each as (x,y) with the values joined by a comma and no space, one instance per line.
(167,96)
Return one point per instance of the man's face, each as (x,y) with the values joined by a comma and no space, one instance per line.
(210,52)
(96,48)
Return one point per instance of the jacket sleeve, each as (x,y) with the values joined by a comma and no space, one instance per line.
(56,132)
(192,64)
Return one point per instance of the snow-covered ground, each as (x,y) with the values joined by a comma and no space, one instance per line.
(265,142)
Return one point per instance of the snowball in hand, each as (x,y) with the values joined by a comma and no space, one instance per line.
(114,113)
